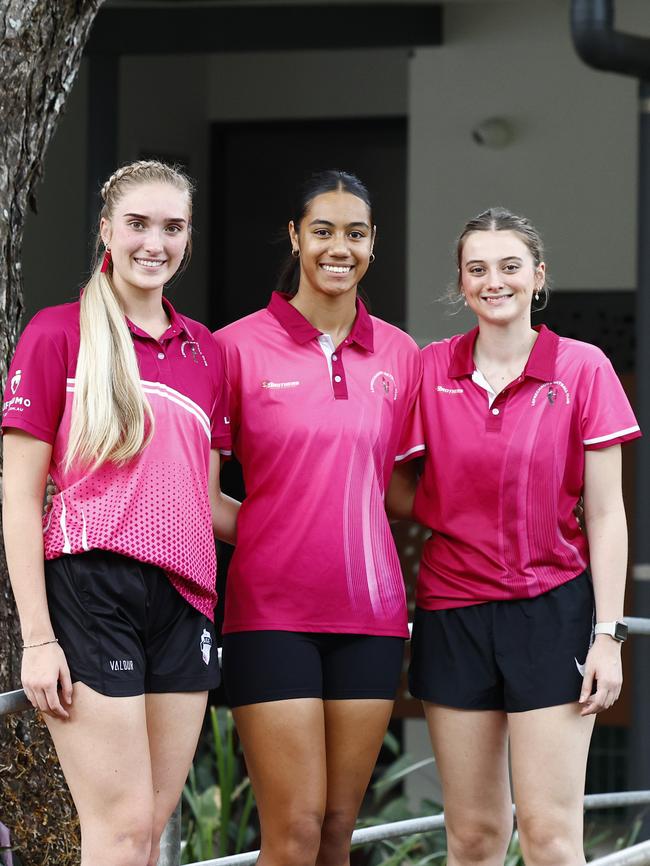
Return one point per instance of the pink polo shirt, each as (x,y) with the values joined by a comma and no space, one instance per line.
(317,429)
(156,507)
(504,472)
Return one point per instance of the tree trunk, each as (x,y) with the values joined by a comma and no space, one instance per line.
(41,47)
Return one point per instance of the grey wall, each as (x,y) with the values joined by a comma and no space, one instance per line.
(572,167)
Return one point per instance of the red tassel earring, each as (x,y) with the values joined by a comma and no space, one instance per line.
(107,260)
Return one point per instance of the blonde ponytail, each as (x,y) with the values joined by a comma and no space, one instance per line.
(111,416)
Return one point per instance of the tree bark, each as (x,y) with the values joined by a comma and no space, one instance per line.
(40,51)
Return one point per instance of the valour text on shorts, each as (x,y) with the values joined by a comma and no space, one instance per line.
(121,664)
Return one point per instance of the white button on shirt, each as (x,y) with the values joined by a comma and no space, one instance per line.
(161,355)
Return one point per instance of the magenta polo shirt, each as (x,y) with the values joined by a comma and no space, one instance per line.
(156,507)
(317,429)
(503,472)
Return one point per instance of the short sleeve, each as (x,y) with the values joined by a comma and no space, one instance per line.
(607,417)
(411,441)
(230,392)
(35,393)
(220,414)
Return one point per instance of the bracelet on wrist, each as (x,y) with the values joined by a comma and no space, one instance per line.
(42,643)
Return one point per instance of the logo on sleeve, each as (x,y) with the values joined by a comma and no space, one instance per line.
(16,404)
(15,382)
(206,645)
(383,382)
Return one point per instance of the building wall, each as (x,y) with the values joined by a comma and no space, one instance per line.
(571,167)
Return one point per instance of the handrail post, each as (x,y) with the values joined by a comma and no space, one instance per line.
(170,841)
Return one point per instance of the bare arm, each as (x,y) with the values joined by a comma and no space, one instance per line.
(607,533)
(26,462)
(224,508)
(401,491)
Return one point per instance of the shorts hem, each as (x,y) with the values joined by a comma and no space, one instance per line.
(156,685)
(421,695)
(292,694)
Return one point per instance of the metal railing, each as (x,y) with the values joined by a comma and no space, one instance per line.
(170,844)
(412,826)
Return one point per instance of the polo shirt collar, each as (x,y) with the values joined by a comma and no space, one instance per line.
(540,364)
(177,324)
(302,331)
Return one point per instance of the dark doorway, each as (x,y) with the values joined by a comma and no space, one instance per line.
(257,169)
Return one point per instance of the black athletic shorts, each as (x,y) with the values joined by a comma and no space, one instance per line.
(260,666)
(125,630)
(505,655)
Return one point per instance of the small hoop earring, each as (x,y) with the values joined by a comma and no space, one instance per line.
(371,258)
(295,253)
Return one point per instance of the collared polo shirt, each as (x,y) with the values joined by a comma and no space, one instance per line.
(503,472)
(155,508)
(317,430)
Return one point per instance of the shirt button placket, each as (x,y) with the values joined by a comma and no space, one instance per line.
(338,377)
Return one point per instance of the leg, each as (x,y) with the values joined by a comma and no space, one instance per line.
(354,731)
(549,759)
(284,745)
(104,752)
(174,724)
(471,750)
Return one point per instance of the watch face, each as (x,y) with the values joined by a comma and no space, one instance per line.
(620,631)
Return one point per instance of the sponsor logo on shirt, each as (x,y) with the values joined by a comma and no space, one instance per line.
(267,384)
(206,645)
(383,382)
(16,404)
(195,352)
(121,664)
(442,390)
(15,382)
(554,392)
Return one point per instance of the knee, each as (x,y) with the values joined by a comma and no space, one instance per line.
(550,841)
(296,842)
(336,832)
(126,843)
(478,841)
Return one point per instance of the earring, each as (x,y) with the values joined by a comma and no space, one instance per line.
(537,295)
(106,260)
(295,252)
(372,258)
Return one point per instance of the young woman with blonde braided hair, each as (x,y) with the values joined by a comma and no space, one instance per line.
(119,398)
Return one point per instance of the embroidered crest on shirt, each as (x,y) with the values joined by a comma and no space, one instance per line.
(279,385)
(193,347)
(554,392)
(384,382)
(206,645)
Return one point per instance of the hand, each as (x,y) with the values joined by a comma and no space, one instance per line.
(43,668)
(602,667)
(50,492)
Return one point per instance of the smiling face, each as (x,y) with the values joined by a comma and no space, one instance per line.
(335,240)
(148,233)
(498,276)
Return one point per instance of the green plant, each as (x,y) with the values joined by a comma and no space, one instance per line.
(219,796)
